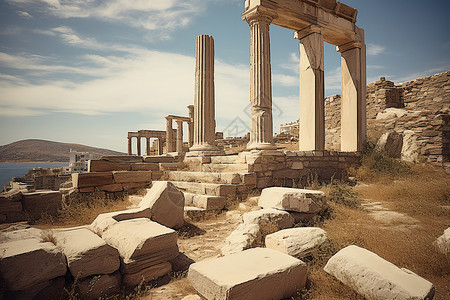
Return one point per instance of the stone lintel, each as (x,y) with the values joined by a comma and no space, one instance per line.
(349,46)
(184,119)
(300,34)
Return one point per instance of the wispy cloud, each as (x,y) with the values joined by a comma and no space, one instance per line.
(160,15)
(425,73)
(333,79)
(373,49)
(24,14)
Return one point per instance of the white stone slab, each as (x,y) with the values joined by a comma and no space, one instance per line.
(257,273)
(299,200)
(245,236)
(298,242)
(278,219)
(375,278)
(166,204)
(106,220)
(443,242)
(26,263)
(87,254)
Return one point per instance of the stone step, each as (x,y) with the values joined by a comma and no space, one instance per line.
(227,178)
(228,159)
(226,168)
(171,166)
(205,201)
(194,213)
(212,189)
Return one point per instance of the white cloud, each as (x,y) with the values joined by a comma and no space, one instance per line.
(285,80)
(333,79)
(416,75)
(147,14)
(373,49)
(24,14)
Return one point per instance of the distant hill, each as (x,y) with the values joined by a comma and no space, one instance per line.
(46,151)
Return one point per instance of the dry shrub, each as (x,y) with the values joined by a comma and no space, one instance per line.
(47,236)
(82,209)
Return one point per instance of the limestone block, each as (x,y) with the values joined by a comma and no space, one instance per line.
(258,273)
(20,234)
(106,166)
(116,187)
(410,148)
(269,217)
(146,274)
(390,113)
(122,159)
(106,220)
(391,142)
(442,243)
(192,297)
(87,254)
(159,159)
(144,167)
(43,202)
(25,263)
(376,278)
(166,204)
(299,200)
(83,180)
(50,289)
(134,176)
(99,286)
(298,242)
(245,236)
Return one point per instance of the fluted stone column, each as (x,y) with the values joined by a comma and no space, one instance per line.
(353,99)
(204,122)
(148,145)
(312,89)
(261,127)
(169,135)
(191,126)
(179,136)
(139,145)
(130,152)
(160,146)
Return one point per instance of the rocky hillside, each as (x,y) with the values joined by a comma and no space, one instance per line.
(46,151)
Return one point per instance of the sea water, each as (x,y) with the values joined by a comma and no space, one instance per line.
(10,170)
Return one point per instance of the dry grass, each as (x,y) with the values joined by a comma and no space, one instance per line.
(47,236)
(82,210)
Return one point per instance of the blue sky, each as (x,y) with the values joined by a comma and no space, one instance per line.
(87,71)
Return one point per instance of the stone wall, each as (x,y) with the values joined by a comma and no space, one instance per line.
(417,109)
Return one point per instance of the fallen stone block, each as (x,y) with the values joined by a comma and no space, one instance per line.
(245,236)
(122,159)
(269,219)
(376,278)
(20,234)
(44,202)
(87,254)
(25,263)
(298,242)
(84,180)
(145,167)
(258,273)
(442,243)
(106,220)
(147,274)
(107,166)
(298,200)
(99,286)
(50,289)
(166,204)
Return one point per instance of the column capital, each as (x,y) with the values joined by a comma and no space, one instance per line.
(307,31)
(258,14)
(349,46)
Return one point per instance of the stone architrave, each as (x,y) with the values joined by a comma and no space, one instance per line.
(204,122)
(261,124)
(169,135)
(312,120)
(179,136)
(353,100)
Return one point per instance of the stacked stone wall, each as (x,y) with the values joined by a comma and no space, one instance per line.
(424,107)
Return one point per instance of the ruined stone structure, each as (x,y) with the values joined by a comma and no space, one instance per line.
(313,22)
(147,134)
(419,110)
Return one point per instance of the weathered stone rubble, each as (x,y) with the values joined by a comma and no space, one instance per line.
(375,278)
(442,243)
(257,273)
(289,199)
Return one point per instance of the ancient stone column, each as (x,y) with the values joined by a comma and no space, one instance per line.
(191,126)
(204,123)
(261,128)
(169,135)
(148,145)
(160,146)
(312,89)
(130,152)
(179,136)
(353,99)
(139,145)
